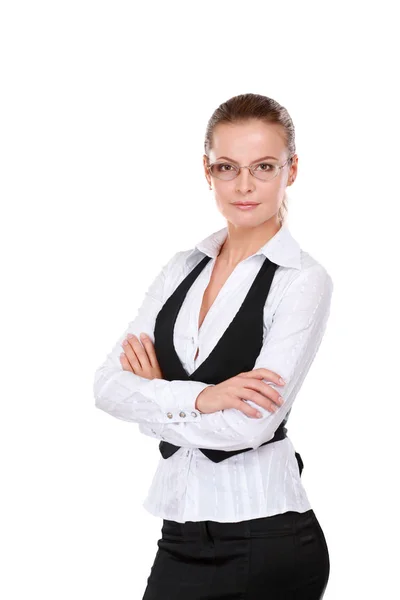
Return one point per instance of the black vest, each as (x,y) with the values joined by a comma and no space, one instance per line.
(235,352)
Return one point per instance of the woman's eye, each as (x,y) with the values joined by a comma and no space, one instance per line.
(224,165)
(265,165)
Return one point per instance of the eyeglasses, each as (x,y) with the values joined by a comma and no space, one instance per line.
(261,170)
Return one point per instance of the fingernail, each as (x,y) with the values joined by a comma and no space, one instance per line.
(259,415)
(281,380)
(144,335)
(130,335)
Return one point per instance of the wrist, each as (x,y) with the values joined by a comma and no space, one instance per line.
(199,400)
(196,404)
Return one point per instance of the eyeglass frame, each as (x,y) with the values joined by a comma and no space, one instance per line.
(247,167)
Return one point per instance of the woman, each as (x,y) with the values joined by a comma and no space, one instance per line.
(244,307)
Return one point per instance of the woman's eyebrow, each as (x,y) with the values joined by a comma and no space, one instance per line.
(235,161)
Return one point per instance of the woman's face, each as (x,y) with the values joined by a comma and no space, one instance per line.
(245,144)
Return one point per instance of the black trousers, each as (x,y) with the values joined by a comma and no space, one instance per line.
(281,557)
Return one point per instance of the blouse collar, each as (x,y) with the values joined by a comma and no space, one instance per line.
(281,249)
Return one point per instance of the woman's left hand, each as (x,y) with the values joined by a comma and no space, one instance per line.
(140,359)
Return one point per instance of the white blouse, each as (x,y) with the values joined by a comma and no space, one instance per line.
(264,481)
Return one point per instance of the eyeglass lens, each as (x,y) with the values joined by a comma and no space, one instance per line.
(227,171)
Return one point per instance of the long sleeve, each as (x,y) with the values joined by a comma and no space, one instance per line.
(128,396)
(289,348)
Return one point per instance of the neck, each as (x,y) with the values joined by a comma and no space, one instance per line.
(242,242)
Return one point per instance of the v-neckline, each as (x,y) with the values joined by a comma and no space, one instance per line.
(219,342)
(217,297)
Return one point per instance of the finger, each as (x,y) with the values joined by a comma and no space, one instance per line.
(131,356)
(125,363)
(262,394)
(269,392)
(149,347)
(262,373)
(140,352)
(246,409)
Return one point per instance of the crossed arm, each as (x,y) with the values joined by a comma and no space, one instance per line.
(289,349)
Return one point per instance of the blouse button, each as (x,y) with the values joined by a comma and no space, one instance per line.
(194,414)
(169,415)
(182,414)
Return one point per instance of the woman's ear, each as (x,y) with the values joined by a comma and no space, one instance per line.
(293,170)
(207,174)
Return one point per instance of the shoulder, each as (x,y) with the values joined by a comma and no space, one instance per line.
(301,297)
(304,290)
(300,287)
(180,261)
(313,272)
(178,267)
(307,271)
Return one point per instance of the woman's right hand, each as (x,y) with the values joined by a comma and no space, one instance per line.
(245,386)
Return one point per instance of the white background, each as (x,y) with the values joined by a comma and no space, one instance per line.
(104,107)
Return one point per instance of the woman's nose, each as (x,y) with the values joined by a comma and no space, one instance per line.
(244,179)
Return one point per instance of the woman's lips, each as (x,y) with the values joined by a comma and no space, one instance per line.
(246,206)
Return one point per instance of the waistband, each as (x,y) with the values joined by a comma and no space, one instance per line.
(287,523)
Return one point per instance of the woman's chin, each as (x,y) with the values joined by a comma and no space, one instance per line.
(250,218)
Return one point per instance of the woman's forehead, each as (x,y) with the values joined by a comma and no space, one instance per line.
(248,141)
